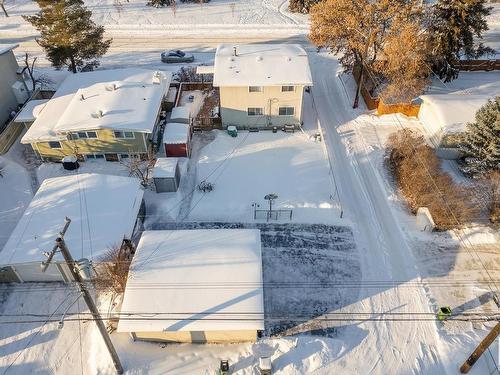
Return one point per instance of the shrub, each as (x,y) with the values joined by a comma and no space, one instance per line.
(423,183)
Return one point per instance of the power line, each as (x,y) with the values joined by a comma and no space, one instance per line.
(49,319)
(448,208)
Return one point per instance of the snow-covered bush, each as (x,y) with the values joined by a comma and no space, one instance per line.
(423,183)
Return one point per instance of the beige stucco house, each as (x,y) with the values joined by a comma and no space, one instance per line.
(261,85)
(107,114)
(8,77)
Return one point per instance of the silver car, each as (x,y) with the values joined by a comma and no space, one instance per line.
(176,56)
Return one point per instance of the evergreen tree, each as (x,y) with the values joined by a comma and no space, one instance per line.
(68,34)
(481,144)
(453,27)
(301,6)
(159,3)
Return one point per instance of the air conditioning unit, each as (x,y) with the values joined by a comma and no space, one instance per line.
(20,92)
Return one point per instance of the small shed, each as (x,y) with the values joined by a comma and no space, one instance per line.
(208,286)
(180,114)
(177,140)
(166,175)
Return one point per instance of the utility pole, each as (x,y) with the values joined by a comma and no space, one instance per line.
(72,265)
(481,348)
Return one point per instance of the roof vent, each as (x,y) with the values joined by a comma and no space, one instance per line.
(98,114)
(82,97)
(235,51)
(288,58)
(259,58)
(111,87)
(231,58)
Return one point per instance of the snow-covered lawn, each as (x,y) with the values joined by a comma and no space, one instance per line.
(133,16)
(246,168)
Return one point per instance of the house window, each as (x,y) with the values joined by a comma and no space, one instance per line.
(124,134)
(111,157)
(287,88)
(55,144)
(255,111)
(286,111)
(94,156)
(83,135)
(254,88)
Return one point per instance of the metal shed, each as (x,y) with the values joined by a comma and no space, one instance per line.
(180,114)
(166,175)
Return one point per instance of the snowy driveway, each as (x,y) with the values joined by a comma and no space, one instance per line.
(401,346)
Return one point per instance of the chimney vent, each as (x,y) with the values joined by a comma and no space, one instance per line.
(235,52)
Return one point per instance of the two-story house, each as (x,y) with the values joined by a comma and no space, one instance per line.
(261,85)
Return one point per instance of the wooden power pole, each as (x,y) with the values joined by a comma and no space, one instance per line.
(73,268)
(481,348)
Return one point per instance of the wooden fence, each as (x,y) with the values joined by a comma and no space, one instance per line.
(479,65)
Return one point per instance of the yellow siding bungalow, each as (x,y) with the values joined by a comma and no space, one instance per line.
(108,114)
(261,85)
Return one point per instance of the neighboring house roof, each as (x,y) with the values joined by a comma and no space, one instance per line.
(103,210)
(176,133)
(447,110)
(120,99)
(31,110)
(165,167)
(208,279)
(261,65)
(4,48)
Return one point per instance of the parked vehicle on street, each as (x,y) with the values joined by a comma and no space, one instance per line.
(176,56)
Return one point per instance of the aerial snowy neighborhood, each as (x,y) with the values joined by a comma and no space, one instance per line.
(221,187)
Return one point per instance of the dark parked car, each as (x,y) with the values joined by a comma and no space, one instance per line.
(176,56)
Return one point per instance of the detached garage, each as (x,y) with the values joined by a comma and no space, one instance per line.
(177,140)
(103,211)
(205,284)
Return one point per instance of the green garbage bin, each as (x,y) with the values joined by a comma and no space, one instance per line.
(444,312)
(232,131)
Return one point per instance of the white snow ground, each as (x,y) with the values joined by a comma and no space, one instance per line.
(402,271)
(122,17)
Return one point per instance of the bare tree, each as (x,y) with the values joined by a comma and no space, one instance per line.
(140,168)
(112,270)
(2,5)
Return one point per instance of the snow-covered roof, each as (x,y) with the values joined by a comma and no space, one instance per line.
(261,65)
(102,208)
(447,110)
(208,279)
(176,133)
(31,110)
(7,47)
(180,113)
(165,167)
(119,99)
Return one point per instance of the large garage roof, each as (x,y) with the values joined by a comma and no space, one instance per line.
(103,210)
(205,280)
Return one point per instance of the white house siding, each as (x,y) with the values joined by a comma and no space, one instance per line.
(8,68)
